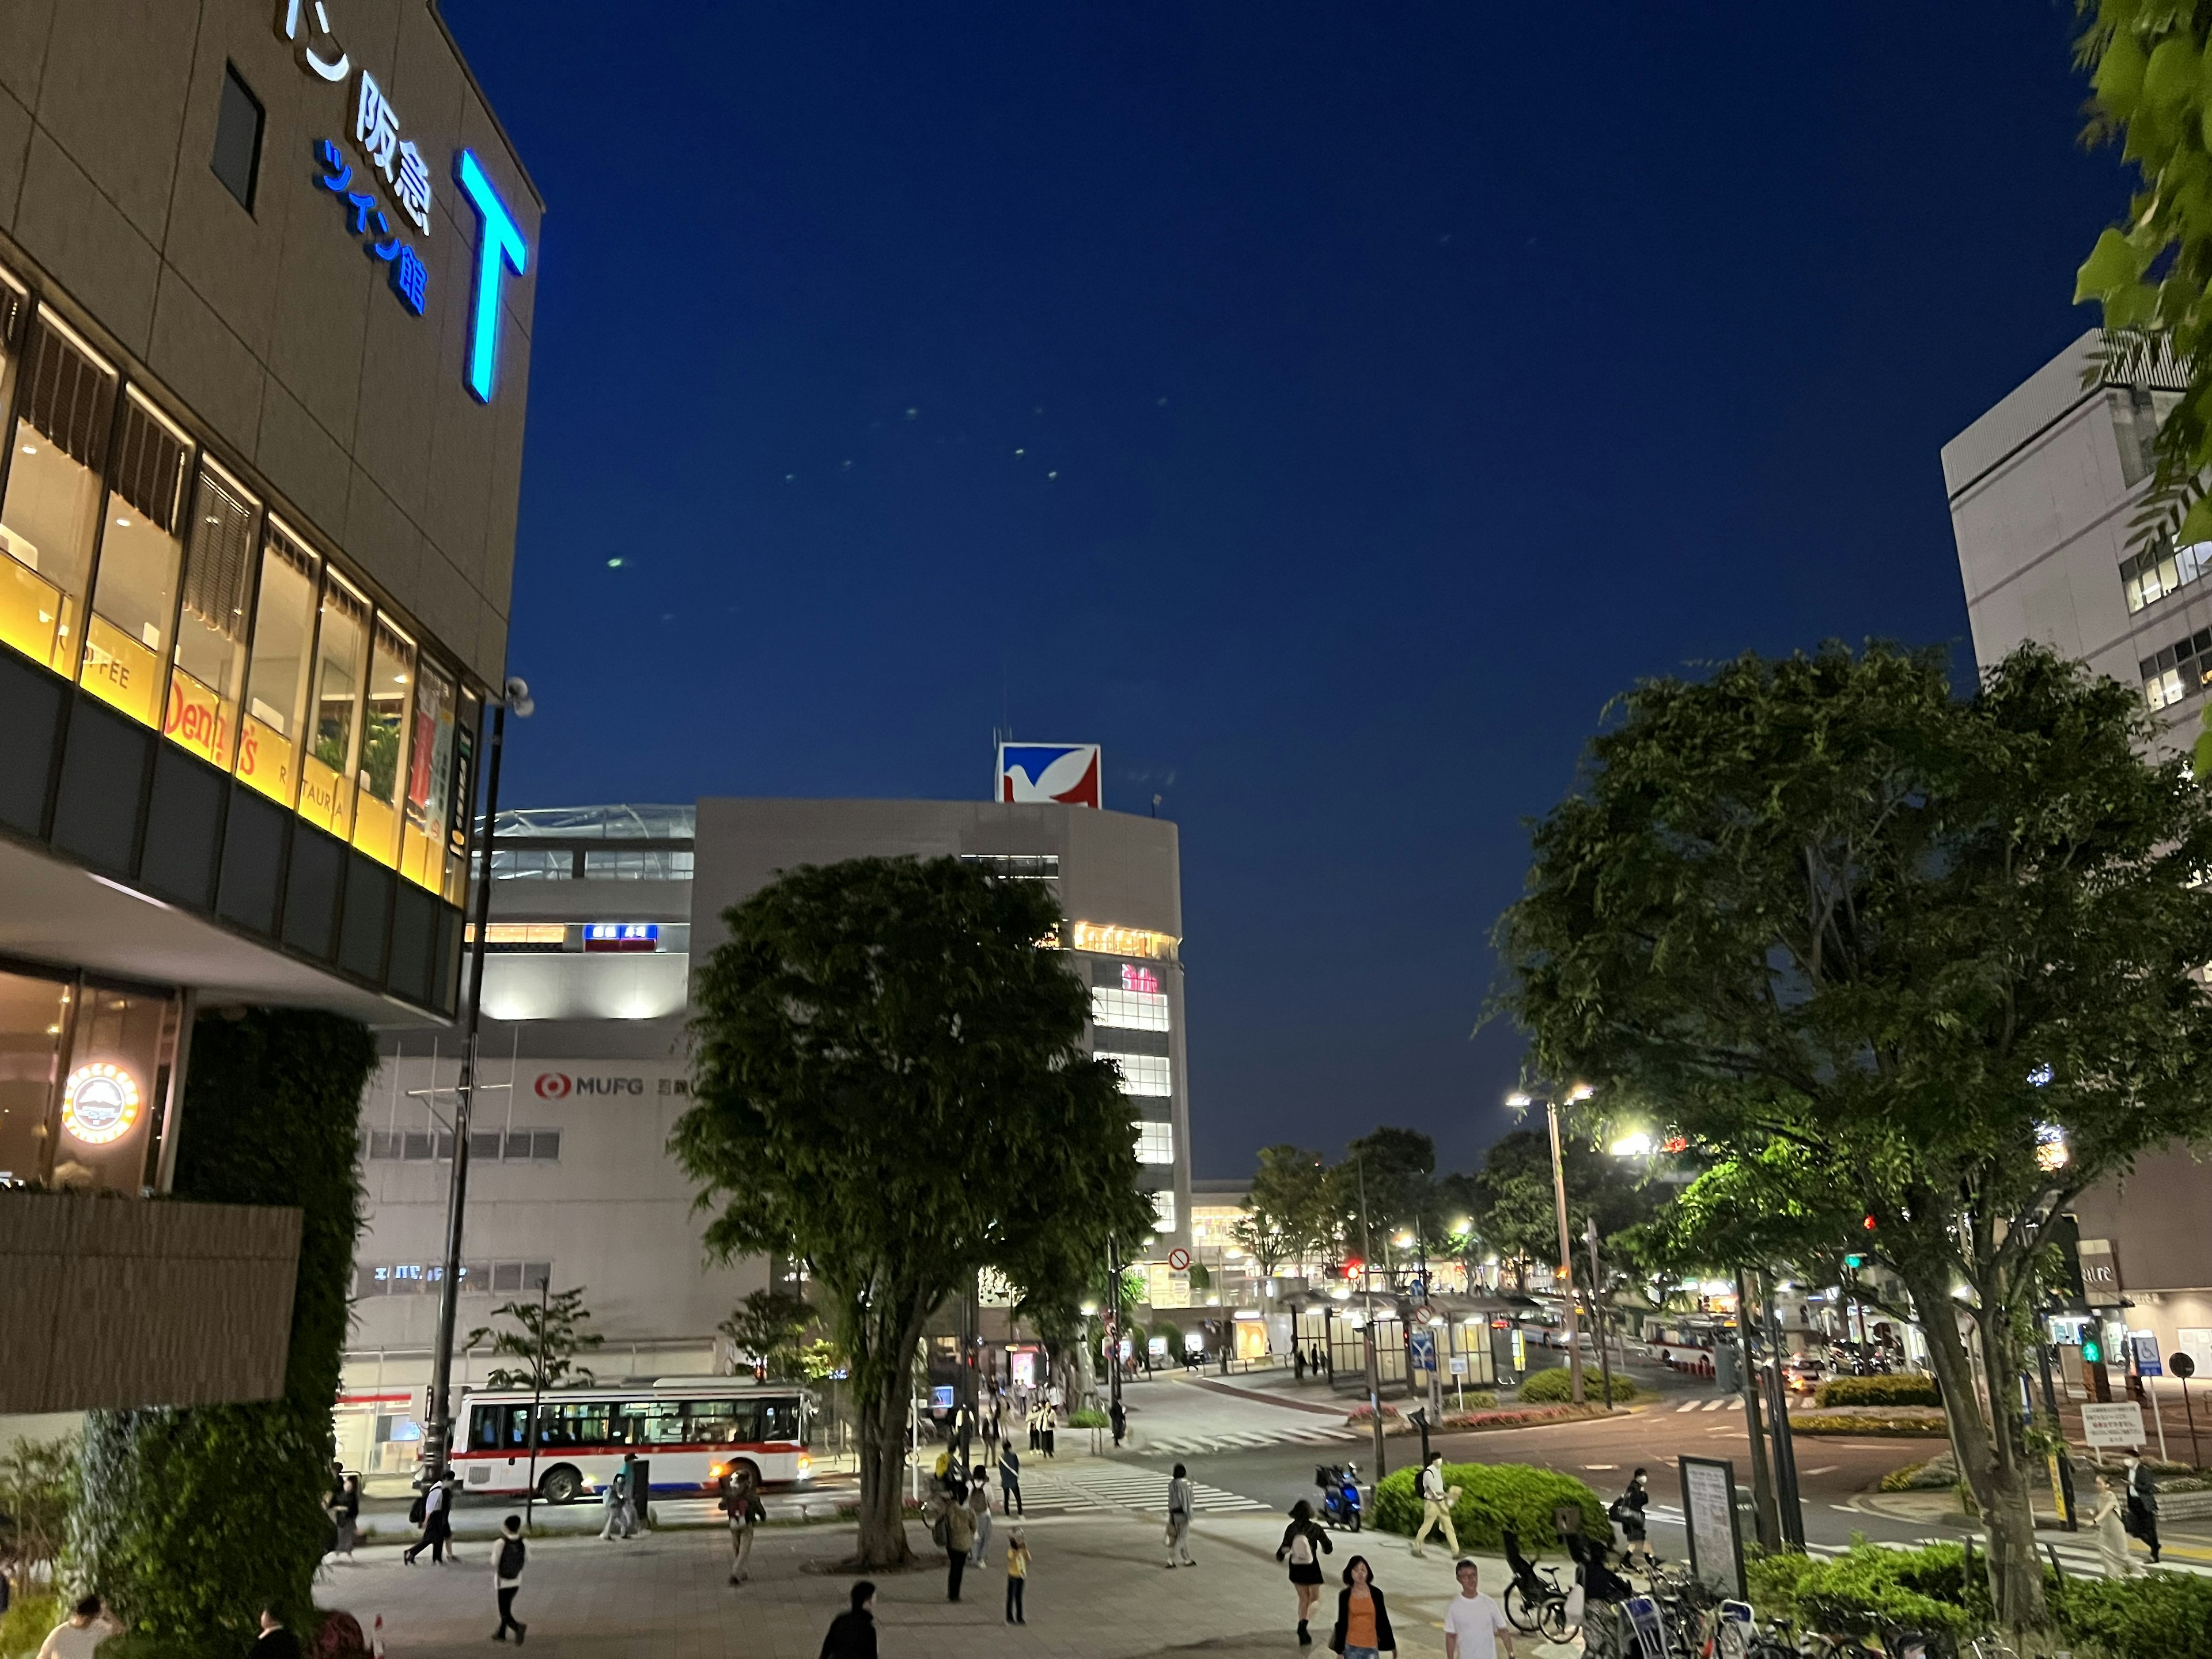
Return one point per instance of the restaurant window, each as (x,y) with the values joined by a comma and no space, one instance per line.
(33,1013)
(135,591)
(384,735)
(430,779)
(51,509)
(326,774)
(210,664)
(276,682)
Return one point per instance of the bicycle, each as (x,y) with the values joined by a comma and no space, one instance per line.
(1536,1603)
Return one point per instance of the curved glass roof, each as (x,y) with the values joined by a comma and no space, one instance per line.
(600,823)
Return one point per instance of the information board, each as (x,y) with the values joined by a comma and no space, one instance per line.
(1709,1515)
(2119,1424)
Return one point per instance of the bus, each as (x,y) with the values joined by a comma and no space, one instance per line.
(693,1430)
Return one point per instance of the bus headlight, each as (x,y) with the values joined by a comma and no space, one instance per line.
(715,1471)
(805,1465)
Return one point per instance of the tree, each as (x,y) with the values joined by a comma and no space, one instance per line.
(1286,1214)
(1898,958)
(1384,1188)
(552,1337)
(771,1326)
(890,1084)
(35,1477)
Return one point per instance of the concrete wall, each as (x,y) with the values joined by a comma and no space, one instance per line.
(271,331)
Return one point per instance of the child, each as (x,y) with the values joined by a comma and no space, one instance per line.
(1017,1574)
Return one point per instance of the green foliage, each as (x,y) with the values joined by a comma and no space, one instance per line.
(27,1621)
(1899,1389)
(36,1478)
(552,1337)
(1857,1424)
(2166,1613)
(1558,1383)
(1493,1497)
(190,1519)
(1515,1207)
(1287,1210)
(864,1025)
(1202,1277)
(1867,1587)
(1938,1473)
(1088,1418)
(2151,91)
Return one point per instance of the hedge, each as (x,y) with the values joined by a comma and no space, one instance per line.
(1867,1587)
(27,1621)
(1493,1497)
(2166,1613)
(1557,1383)
(1852,1423)
(1904,1388)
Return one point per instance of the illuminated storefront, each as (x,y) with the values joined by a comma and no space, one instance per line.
(86,1082)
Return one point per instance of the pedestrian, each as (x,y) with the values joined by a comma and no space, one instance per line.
(1179,1519)
(1017,1574)
(430,1509)
(2111,1532)
(955,1534)
(88,1625)
(741,1503)
(1037,1424)
(1118,1415)
(345,1515)
(979,1506)
(634,1497)
(1437,1501)
(1299,1364)
(1010,1478)
(1474,1625)
(2143,1504)
(1302,1546)
(610,1502)
(1051,1412)
(275,1642)
(507,1577)
(853,1633)
(1363,1621)
(1627,1513)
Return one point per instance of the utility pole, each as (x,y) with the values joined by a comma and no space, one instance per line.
(1114,1330)
(1597,1318)
(1566,1257)
(1789,1507)
(536,1396)
(1762,1480)
(1367,1325)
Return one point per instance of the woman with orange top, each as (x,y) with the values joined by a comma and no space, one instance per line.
(1363,1621)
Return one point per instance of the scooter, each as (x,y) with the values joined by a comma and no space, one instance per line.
(1339,1495)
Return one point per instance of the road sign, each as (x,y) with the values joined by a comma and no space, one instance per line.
(1424,1351)
(1179,1259)
(1459,1364)
(2119,1424)
(1417,1286)
(2145,1344)
(2181,1365)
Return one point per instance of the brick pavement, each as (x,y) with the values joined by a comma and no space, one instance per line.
(1097,1590)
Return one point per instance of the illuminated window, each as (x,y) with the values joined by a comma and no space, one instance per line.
(1163,1212)
(276,682)
(384,734)
(2147,578)
(2180,671)
(430,779)
(1142,1074)
(52,510)
(522,935)
(210,663)
(126,637)
(1112,941)
(328,781)
(1155,1142)
(1129,1011)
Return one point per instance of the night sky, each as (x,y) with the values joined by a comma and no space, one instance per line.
(1325,407)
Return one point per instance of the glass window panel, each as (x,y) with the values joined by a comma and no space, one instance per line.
(535,1274)
(33,1012)
(276,682)
(368,1280)
(135,589)
(548,1147)
(121,1048)
(430,779)
(507,1276)
(779,1421)
(484,1143)
(1142,1074)
(1155,1142)
(327,783)
(384,735)
(1132,1011)
(210,671)
(52,510)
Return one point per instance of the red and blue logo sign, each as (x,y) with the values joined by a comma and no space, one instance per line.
(1067,773)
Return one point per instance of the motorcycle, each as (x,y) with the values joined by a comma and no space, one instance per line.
(1339,1495)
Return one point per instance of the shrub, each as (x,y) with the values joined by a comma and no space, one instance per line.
(1493,1497)
(2166,1613)
(1089,1418)
(1508,1418)
(1938,1473)
(1904,1388)
(1360,1414)
(1867,1587)
(1475,1399)
(27,1621)
(1557,1383)
(1855,1423)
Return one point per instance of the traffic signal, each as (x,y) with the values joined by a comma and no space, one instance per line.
(2093,1351)
(1855,1262)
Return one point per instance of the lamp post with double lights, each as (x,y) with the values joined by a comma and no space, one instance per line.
(514,694)
(1522,1103)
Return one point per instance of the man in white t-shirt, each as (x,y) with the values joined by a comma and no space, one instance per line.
(1476,1626)
(88,1625)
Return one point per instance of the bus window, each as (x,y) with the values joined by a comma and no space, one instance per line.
(577,1426)
(779,1421)
(489,1425)
(664,1423)
(720,1422)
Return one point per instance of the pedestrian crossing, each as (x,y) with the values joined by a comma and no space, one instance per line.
(2077,1555)
(1091,1490)
(1298,1435)
(1727,1402)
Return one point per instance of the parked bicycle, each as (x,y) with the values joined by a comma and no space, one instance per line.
(1536,1602)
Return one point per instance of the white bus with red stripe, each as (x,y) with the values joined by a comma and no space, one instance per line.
(692,1430)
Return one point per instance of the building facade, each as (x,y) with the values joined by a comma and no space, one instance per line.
(265,280)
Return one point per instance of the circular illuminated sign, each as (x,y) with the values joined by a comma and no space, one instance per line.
(100,1104)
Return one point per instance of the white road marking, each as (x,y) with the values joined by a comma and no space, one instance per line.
(1715,1404)
(1825,1468)
(1689,1406)
(1601,1466)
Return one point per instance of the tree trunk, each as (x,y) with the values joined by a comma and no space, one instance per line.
(1991,1455)
(882,1432)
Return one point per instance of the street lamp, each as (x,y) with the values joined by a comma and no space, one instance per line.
(1580,1092)
(514,694)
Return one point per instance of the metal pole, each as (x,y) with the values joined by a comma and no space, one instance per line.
(2196,1460)
(441,1357)
(536,1396)
(1789,1507)
(2064,1457)
(1566,1257)
(1114,1326)
(1762,1478)
(1597,1318)
(1367,1326)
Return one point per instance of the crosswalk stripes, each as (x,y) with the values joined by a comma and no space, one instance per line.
(1131,1489)
(1187,1444)
(2079,1558)
(1727,1402)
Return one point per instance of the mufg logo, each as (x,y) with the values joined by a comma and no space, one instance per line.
(1064,772)
(559,1085)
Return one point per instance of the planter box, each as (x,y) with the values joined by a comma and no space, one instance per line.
(113,1303)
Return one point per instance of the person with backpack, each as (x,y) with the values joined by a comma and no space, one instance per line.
(1363,1621)
(741,1503)
(1302,1546)
(1010,1478)
(1179,1519)
(954,1534)
(1627,1514)
(428,1510)
(979,1506)
(507,1577)
(1437,1501)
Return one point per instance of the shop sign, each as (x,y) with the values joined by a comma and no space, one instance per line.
(100,1104)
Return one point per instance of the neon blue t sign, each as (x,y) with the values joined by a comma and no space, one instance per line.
(498,242)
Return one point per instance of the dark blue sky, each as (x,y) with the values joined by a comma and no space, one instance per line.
(1325,407)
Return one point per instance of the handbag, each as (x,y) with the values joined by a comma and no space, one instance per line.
(1574,1599)
(940,1533)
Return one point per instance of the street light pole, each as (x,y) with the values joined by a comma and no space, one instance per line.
(1597,1319)
(1566,1256)
(515,695)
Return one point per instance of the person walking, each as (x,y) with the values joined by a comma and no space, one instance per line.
(957,1523)
(1298,1364)
(507,1577)
(1302,1546)
(741,1503)
(1179,1519)
(2111,1532)
(1051,1415)
(345,1517)
(1627,1513)
(979,1507)
(1473,1624)
(436,1528)
(1117,1414)
(1437,1501)
(1363,1619)
(616,1501)
(88,1625)
(1036,1422)
(275,1642)
(853,1632)
(634,1497)
(2143,1504)
(1017,1575)
(1010,1478)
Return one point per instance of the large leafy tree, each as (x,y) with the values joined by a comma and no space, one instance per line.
(1385,1189)
(1287,1211)
(1875,944)
(891,1086)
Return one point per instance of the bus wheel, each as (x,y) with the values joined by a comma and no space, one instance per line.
(560,1485)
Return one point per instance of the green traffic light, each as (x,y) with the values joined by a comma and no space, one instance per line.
(2091,1350)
